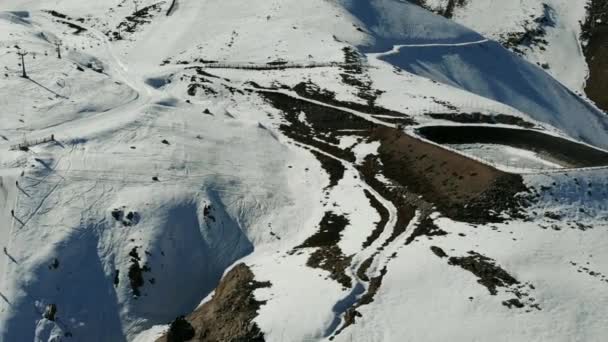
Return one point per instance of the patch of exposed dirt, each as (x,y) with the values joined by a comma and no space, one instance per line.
(228,316)
(595,37)
(461,188)
(328,255)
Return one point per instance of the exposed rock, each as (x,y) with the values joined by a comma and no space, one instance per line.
(438,252)
(229,315)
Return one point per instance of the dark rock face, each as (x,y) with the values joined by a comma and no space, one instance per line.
(180,330)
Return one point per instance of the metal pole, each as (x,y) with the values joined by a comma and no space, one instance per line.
(58,45)
(23,54)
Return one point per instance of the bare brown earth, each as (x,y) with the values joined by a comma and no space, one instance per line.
(597,58)
(460,188)
(227,316)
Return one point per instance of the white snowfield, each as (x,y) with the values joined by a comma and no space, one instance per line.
(561,20)
(144,176)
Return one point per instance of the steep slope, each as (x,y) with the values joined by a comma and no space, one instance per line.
(563,37)
(433,47)
(225,171)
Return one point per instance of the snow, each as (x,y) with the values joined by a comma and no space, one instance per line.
(484,68)
(507,157)
(563,49)
(209,190)
(418,310)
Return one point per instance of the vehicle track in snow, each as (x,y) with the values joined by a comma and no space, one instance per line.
(397,48)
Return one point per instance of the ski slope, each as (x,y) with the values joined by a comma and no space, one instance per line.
(164,175)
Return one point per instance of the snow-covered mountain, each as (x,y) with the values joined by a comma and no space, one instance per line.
(567,38)
(290,170)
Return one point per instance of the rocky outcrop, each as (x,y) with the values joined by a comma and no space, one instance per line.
(228,316)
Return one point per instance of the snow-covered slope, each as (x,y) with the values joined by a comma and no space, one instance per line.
(275,146)
(547,33)
(433,47)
